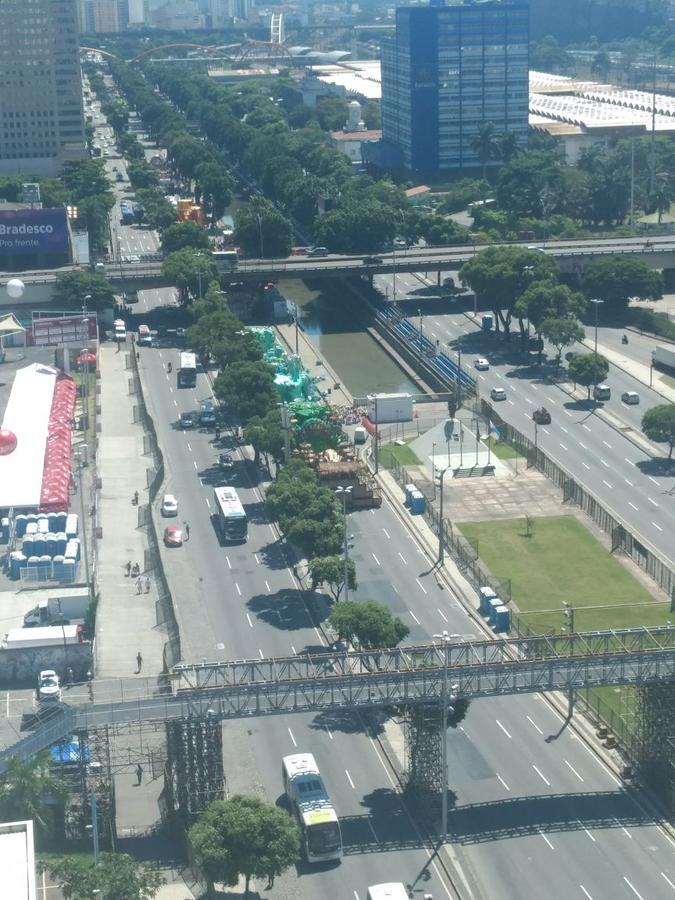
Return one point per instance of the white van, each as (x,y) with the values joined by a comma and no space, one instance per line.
(602,392)
(119,330)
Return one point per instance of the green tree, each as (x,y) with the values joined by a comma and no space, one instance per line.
(485,144)
(184,234)
(617,279)
(25,787)
(358,224)
(658,423)
(508,146)
(601,64)
(159,213)
(247,389)
(117,877)
(214,182)
(588,369)
(141,174)
(72,287)
(330,571)
(370,623)
(548,300)
(192,271)
(662,196)
(265,435)
(522,179)
(84,179)
(562,333)
(93,212)
(243,836)
(262,231)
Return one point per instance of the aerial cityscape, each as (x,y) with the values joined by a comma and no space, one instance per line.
(337,418)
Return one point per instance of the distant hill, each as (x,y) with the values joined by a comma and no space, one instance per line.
(573,21)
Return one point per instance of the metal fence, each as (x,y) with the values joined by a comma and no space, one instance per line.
(164,608)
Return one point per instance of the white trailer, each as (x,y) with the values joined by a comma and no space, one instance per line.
(392,890)
(664,356)
(384,408)
(48,636)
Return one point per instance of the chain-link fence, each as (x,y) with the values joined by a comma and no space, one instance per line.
(164,608)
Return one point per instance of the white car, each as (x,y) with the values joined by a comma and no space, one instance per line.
(49,686)
(169,505)
(498,394)
(481,364)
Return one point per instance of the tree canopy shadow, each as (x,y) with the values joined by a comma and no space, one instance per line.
(284,610)
(273,555)
(657,465)
(350,722)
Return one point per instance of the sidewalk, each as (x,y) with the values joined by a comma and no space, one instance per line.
(638,370)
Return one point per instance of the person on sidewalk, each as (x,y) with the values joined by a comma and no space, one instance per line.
(139,663)
(139,585)
(147,585)
(139,774)
(128,568)
(187,532)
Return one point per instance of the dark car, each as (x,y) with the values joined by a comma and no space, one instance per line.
(225,462)
(372,260)
(542,416)
(188,420)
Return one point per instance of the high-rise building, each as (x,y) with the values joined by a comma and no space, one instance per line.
(41,114)
(447,70)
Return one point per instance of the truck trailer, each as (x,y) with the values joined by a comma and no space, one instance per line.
(663,357)
(384,408)
(57,611)
(47,636)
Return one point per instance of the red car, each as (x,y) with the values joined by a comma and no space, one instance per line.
(173,536)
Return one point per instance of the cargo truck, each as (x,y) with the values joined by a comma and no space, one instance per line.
(57,611)
(664,357)
(47,636)
(383,408)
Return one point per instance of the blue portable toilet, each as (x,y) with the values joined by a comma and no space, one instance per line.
(502,619)
(50,544)
(28,545)
(16,562)
(417,502)
(61,521)
(71,525)
(485,594)
(487,322)
(69,570)
(408,490)
(494,605)
(20,523)
(53,521)
(39,544)
(61,543)
(4,527)
(32,517)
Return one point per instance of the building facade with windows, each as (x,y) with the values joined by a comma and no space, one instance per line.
(447,70)
(41,114)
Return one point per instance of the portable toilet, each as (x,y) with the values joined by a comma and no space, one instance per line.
(487,322)
(50,544)
(494,605)
(502,619)
(69,570)
(52,518)
(31,528)
(61,543)
(20,523)
(17,560)
(43,523)
(417,502)
(485,594)
(4,528)
(61,521)
(408,489)
(71,525)
(32,518)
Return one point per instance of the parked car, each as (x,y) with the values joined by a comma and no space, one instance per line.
(317,251)
(630,398)
(602,392)
(481,364)
(225,462)
(49,686)
(498,393)
(173,536)
(542,416)
(187,420)
(169,505)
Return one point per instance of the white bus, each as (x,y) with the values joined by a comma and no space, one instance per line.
(187,370)
(311,804)
(230,516)
(392,890)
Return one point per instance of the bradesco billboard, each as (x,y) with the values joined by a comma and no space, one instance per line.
(33,231)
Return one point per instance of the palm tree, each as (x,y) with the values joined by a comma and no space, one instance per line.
(508,145)
(25,786)
(663,194)
(485,144)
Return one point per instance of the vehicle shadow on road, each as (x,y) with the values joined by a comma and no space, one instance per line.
(285,610)
(349,721)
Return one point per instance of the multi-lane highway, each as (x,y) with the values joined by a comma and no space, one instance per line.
(536,810)
(596,449)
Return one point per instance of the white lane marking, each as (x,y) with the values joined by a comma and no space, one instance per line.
(207,502)
(583,425)
(503,729)
(625,830)
(442,614)
(572,769)
(534,724)
(503,782)
(629,461)
(666,836)
(295,652)
(377,753)
(562,428)
(349,778)
(607,445)
(511,402)
(586,894)
(403,558)
(189,447)
(175,402)
(396,590)
(629,483)
(585,465)
(376,559)
(658,527)
(262,655)
(583,445)
(414,616)
(320,637)
(292,738)
(387,534)
(329,733)
(653,501)
(550,400)
(637,893)
(653,480)
(257,558)
(531,402)
(605,464)
(195,465)
(267,585)
(586,830)
(634,506)
(665,877)
(227,560)
(564,447)
(421,585)
(545,430)
(607,483)
(543,777)
(545,838)
(237,587)
(534,387)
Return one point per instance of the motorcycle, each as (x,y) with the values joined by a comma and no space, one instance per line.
(624,339)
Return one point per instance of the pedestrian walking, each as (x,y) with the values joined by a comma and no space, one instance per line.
(128,568)
(70,676)
(187,532)
(139,773)
(147,585)
(139,585)
(139,662)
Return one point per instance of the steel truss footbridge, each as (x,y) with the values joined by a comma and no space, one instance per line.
(426,676)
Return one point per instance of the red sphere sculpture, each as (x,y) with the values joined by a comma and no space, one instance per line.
(7,441)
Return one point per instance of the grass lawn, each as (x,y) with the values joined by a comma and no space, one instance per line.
(400,452)
(501,450)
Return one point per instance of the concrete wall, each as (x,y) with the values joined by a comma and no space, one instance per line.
(22,666)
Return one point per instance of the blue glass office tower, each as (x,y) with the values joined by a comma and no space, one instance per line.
(447,70)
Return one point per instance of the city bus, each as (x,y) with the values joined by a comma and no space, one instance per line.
(187,370)
(311,804)
(127,211)
(230,516)
(228,258)
(392,890)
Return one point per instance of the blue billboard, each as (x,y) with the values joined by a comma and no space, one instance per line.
(24,231)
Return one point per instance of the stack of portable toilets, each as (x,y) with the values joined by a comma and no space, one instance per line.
(493,608)
(50,545)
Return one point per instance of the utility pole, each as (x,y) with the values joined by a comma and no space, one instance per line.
(632,185)
(286,428)
(441,543)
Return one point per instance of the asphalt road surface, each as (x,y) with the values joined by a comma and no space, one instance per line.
(536,813)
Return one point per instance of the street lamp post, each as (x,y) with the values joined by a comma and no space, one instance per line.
(260,231)
(446,697)
(597,303)
(343,492)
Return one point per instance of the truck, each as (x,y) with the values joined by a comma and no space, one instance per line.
(46,636)
(663,357)
(364,492)
(57,611)
(383,408)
